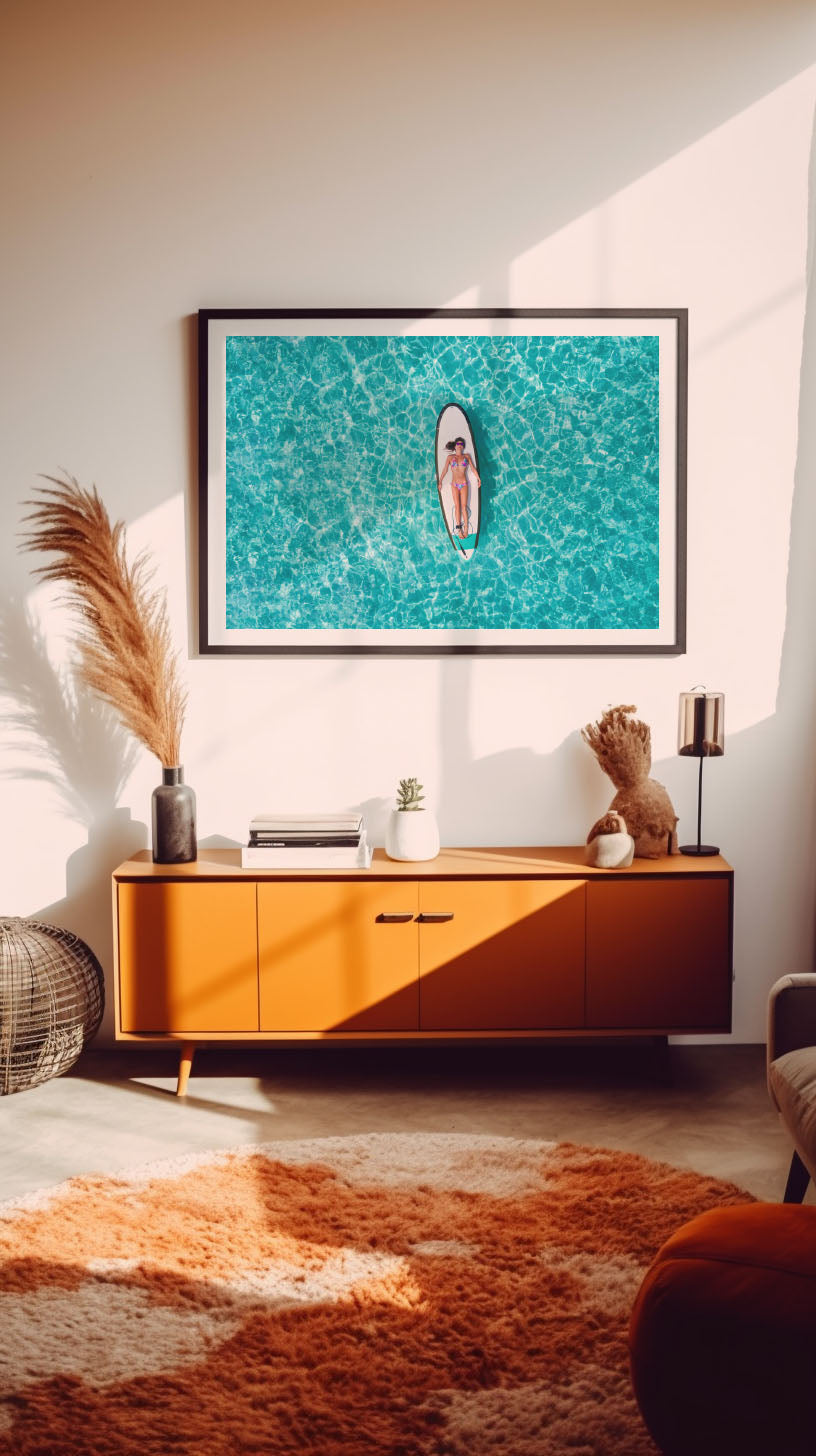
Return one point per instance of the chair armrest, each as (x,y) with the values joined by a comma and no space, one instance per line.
(791,1014)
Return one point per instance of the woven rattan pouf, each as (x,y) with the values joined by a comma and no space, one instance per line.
(52,995)
(723,1335)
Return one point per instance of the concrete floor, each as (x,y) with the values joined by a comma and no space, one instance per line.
(703,1107)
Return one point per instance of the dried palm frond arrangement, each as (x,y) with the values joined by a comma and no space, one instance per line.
(124,643)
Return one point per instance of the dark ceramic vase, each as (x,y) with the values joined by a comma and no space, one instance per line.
(174,827)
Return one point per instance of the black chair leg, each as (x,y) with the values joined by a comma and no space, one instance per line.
(798,1179)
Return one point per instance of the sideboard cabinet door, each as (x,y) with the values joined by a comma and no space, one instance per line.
(338,955)
(510,957)
(188,956)
(659,954)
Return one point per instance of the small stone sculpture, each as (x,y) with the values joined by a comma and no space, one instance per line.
(610,846)
(623,748)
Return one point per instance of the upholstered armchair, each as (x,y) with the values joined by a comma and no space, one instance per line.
(792,1072)
(723,1331)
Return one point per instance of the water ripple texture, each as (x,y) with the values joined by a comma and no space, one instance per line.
(332,513)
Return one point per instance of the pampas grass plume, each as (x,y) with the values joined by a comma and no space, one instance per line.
(124,645)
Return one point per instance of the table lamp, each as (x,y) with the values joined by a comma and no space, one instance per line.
(701,735)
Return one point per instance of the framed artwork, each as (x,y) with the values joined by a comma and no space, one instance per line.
(442,481)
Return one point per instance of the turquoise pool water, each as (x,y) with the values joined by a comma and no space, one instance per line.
(333,517)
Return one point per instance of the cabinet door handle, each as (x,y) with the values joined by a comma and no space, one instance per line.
(435,917)
(395,917)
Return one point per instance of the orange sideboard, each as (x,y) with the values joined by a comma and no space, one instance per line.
(481,943)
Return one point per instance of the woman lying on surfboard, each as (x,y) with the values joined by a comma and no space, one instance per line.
(462,471)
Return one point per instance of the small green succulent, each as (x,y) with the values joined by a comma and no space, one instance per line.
(410,795)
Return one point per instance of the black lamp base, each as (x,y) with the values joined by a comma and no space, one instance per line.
(700,849)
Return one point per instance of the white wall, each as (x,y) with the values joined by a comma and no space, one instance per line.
(178,155)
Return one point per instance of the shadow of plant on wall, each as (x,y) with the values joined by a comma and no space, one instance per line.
(73,741)
(70,741)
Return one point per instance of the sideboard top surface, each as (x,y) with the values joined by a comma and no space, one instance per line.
(498,862)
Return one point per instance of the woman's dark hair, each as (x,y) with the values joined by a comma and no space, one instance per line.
(451,445)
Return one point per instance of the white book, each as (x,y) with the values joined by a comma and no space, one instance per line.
(348,822)
(295,857)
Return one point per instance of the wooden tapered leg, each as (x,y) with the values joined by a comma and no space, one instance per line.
(185,1065)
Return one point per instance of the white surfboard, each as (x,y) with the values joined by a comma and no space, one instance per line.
(460,507)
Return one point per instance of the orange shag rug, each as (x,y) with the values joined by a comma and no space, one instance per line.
(427,1295)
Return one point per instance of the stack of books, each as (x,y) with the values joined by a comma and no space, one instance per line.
(306,842)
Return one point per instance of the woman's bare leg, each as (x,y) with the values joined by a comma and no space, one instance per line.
(457,508)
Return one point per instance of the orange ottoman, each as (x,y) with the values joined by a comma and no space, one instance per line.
(723,1335)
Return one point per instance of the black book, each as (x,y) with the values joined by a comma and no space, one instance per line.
(260,840)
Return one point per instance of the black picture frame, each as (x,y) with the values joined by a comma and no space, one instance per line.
(652,342)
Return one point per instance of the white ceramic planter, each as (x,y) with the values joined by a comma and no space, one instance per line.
(412,834)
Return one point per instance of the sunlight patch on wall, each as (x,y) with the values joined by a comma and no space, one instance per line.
(720,228)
